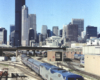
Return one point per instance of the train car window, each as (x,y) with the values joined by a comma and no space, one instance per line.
(57,69)
(64,71)
(79,79)
(71,78)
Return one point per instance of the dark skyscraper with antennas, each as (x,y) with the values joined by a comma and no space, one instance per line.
(18,18)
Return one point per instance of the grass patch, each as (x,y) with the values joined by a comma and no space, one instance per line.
(70,70)
(4,64)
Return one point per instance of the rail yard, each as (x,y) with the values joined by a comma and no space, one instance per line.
(18,67)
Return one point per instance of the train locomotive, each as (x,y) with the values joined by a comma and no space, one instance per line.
(48,71)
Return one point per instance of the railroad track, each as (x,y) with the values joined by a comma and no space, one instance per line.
(26,71)
(74,69)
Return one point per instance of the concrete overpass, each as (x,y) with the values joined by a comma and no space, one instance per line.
(26,48)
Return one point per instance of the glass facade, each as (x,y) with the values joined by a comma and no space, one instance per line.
(91,31)
(18,7)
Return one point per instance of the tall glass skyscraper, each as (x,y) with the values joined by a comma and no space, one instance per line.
(18,16)
(80,23)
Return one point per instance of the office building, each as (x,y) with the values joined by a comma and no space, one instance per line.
(25,26)
(18,18)
(12,28)
(72,32)
(55,30)
(38,37)
(60,32)
(44,32)
(44,29)
(12,43)
(31,34)
(91,31)
(64,33)
(32,24)
(48,33)
(3,36)
(80,23)
(64,30)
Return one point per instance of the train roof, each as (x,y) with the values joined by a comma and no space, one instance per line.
(65,73)
(36,62)
(31,60)
(23,55)
(48,66)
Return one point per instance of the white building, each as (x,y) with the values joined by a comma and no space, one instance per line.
(64,32)
(25,26)
(78,45)
(53,41)
(44,29)
(83,34)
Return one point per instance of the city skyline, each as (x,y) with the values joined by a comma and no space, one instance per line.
(51,13)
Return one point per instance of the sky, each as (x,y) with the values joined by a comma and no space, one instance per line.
(53,13)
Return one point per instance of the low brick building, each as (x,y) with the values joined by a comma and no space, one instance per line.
(55,55)
(71,51)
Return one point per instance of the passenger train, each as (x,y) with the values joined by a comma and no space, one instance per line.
(48,71)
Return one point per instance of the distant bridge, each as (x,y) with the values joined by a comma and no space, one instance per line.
(27,48)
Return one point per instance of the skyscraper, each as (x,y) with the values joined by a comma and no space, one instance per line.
(91,31)
(12,35)
(31,34)
(38,37)
(64,33)
(64,30)
(32,23)
(44,32)
(44,29)
(3,36)
(18,16)
(25,26)
(55,30)
(48,33)
(72,32)
(60,32)
(12,28)
(80,23)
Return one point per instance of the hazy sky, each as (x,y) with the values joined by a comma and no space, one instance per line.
(53,12)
